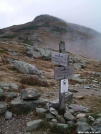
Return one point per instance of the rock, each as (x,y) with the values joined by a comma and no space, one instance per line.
(62,125)
(97,121)
(72,90)
(45,53)
(30,94)
(90,118)
(68,116)
(26,106)
(77,108)
(50,116)
(87,87)
(9,86)
(26,68)
(32,125)
(10,95)
(96,129)
(13,53)
(54,121)
(8,115)
(81,115)
(82,119)
(99,115)
(60,119)
(41,110)
(76,75)
(1,92)
(53,111)
(71,123)
(71,111)
(78,65)
(82,127)
(3,107)
(79,97)
(55,104)
(68,97)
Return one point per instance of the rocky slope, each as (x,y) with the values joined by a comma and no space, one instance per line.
(47,31)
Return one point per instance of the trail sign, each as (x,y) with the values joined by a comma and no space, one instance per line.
(59,59)
(63,72)
(64,85)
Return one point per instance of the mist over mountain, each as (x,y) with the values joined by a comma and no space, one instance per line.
(47,31)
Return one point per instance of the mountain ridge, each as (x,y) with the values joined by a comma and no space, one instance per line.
(46,30)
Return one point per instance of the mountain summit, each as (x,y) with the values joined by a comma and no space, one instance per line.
(47,31)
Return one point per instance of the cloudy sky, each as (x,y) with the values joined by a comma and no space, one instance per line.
(82,12)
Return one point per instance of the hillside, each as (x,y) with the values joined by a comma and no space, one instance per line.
(46,31)
(29,94)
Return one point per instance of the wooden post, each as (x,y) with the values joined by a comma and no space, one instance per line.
(61,95)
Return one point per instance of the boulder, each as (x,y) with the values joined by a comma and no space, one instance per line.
(41,110)
(32,125)
(8,115)
(82,127)
(9,86)
(77,108)
(3,107)
(30,94)
(26,68)
(97,121)
(68,116)
(10,95)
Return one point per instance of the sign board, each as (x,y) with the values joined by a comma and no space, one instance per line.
(59,59)
(63,72)
(64,85)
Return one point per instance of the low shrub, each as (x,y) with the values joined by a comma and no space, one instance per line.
(33,80)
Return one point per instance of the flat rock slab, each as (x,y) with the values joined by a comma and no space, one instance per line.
(23,106)
(77,108)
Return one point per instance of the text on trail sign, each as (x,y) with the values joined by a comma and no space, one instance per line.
(63,72)
(59,59)
(64,85)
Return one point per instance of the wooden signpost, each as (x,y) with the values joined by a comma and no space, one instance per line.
(62,73)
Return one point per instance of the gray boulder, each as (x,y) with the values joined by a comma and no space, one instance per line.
(97,121)
(83,127)
(8,115)
(10,95)
(77,108)
(26,68)
(41,110)
(3,107)
(68,116)
(30,94)
(60,119)
(9,86)
(96,129)
(32,125)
